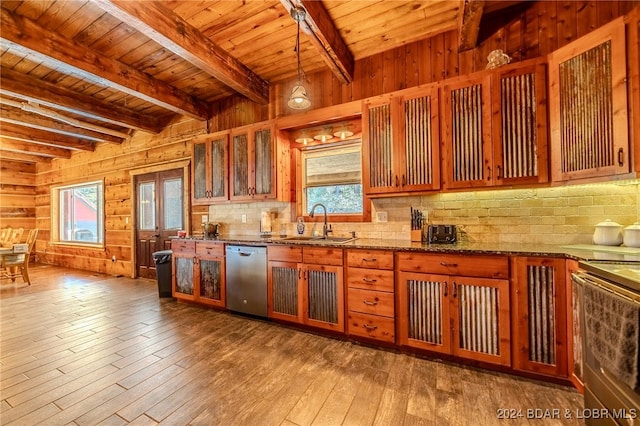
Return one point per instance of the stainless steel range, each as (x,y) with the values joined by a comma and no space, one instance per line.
(610,318)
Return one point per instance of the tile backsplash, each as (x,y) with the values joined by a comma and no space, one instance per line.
(558,215)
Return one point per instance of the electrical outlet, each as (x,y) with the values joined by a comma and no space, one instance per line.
(205,218)
(244,218)
(381,216)
(113,259)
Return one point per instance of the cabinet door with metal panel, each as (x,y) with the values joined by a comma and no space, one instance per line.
(465,313)
(588,112)
(210,170)
(284,283)
(210,274)
(539,315)
(370,294)
(323,287)
(403,141)
(182,265)
(253,162)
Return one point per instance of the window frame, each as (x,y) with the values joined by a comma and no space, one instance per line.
(55,215)
(300,211)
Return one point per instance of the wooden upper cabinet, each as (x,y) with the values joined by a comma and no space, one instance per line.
(467,131)
(520,123)
(495,127)
(378,175)
(401,142)
(210,172)
(253,162)
(588,105)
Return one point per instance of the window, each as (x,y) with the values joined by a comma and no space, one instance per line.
(333,176)
(78,214)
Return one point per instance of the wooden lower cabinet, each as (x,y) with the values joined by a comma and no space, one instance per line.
(305,285)
(539,315)
(465,316)
(198,270)
(371,295)
(575,361)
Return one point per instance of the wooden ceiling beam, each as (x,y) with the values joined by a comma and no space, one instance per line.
(57,51)
(33,149)
(470,16)
(326,38)
(44,137)
(23,118)
(31,89)
(23,158)
(169,30)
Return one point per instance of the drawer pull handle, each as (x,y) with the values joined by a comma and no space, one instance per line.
(374,303)
(369,259)
(370,327)
(369,280)
(453,265)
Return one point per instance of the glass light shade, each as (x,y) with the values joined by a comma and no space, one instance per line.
(343,133)
(299,98)
(303,139)
(324,135)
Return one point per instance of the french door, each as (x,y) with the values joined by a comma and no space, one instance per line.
(159,215)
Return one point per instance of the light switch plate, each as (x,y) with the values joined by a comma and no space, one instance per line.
(205,218)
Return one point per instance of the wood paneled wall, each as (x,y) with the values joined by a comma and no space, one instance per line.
(17,195)
(113,164)
(521,33)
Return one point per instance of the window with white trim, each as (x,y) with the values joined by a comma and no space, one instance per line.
(78,213)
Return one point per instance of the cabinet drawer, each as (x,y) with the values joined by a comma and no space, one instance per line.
(183,246)
(378,259)
(370,302)
(284,253)
(209,249)
(455,264)
(371,326)
(370,279)
(322,256)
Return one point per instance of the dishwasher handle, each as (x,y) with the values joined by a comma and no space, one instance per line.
(245,253)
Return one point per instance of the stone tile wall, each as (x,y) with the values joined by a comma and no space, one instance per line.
(559,215)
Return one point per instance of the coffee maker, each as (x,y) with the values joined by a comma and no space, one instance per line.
(210,230)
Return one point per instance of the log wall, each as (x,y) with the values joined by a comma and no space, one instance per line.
(522,34)
(17,194)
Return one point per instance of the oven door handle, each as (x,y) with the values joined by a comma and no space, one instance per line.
(583,279)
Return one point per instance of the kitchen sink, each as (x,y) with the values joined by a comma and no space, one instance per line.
(320,240)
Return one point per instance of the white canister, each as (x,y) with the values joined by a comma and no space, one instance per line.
(632,235)
(608,233)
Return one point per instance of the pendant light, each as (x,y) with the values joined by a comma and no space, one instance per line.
(299,98)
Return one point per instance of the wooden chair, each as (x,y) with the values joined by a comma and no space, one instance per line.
(15,262)
(5,235)
(15,235)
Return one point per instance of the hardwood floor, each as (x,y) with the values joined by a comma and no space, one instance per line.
(80,348)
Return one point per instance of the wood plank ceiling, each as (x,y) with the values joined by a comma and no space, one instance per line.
(78,73)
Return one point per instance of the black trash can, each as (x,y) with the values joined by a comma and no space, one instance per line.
(163,271)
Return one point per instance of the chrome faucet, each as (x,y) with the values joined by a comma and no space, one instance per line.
(325,229)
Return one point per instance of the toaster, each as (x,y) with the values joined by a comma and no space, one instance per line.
(439,234)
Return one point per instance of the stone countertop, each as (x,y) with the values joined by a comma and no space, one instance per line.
(577,252)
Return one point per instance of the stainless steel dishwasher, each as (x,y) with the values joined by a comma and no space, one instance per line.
(247,279)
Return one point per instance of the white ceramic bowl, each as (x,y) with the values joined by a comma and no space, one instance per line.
(608,233)
(632,235)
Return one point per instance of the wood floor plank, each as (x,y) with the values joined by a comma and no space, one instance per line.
(80,348)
